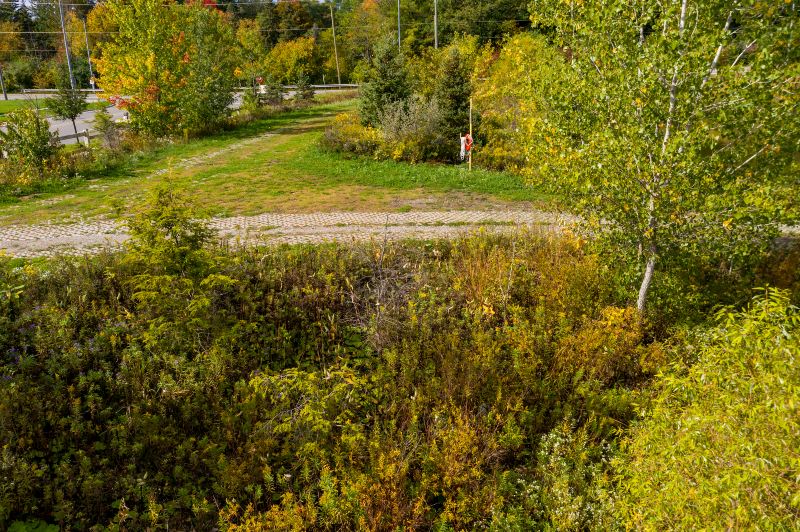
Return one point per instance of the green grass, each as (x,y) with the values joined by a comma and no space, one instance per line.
(284,172)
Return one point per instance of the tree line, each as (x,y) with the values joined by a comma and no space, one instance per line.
(33,53)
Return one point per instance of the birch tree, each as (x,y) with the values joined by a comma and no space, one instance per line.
(675,124)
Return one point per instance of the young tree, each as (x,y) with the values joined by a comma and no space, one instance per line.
(452,92)
(303,89)
(387,82)
(104,124)
(68,103)
(675,124)
(27,141)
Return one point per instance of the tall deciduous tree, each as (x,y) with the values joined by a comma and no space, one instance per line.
(252,49)
(170,65)
(676,124)
(290,59)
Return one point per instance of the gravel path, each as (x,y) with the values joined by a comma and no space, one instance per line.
(50,239)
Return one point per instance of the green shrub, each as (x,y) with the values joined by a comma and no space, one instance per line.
(387,83)
(719,445)
(412,131)
(30,149)
(346,134)
(19,73)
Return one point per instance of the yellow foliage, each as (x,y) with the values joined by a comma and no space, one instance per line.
(9,40)
(289,59)
(608,348)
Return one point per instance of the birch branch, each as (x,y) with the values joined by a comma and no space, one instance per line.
(713,70)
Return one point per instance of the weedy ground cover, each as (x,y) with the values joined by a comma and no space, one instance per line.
(484,382)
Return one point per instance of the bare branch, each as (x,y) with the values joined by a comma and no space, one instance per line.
(756,154)
(713,70)
(746,48)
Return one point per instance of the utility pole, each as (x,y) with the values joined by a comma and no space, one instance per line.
(470,133)
(88,55)
(399,44)
(3,83)
(335,50)
(66,46)
(436,23)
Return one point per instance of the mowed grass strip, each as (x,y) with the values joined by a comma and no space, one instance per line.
(285,171)
(293,174)
(113,192)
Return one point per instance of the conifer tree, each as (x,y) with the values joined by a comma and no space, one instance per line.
(387,82)
(452,93)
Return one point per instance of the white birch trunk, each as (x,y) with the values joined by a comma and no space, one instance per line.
(646,282)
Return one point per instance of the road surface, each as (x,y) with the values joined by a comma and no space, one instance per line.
(84,121)
(64,127)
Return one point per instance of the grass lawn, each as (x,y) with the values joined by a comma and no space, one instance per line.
(276,165)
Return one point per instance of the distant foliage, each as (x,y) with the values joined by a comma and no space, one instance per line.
(289,60)
(719,444)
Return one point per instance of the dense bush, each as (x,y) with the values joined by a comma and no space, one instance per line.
(504,93)
(411,131)
(29,149)
(346,134)
(720,443)
(19,73)
(407,385)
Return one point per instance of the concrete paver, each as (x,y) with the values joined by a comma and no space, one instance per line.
(50,239)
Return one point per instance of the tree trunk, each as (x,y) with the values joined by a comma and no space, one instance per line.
(651,257)
(646,282)
(75,128)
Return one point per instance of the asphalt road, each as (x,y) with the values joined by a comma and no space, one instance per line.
(64,127)
(84,121)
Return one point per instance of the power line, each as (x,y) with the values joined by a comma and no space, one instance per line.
(267,30)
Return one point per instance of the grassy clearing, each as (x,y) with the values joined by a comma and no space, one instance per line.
(245,172)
